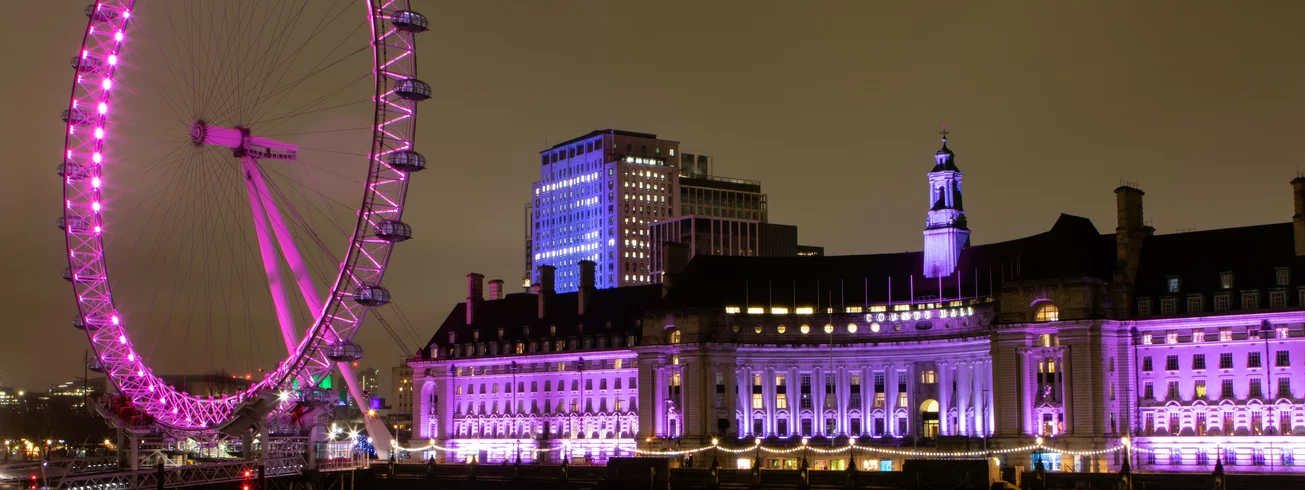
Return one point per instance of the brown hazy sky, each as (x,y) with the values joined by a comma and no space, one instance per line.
(834,106)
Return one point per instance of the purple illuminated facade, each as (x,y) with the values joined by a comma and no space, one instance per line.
(1188,346)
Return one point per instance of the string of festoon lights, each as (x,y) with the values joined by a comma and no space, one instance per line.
(1037,445)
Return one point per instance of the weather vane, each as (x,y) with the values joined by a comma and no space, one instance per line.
(944,133)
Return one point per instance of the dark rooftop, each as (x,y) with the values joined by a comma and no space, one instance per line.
(597,132)
(1251,253)
(611,312)
(1072,248)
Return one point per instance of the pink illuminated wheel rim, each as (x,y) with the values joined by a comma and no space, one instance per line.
(253,129)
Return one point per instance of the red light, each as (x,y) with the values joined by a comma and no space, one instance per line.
(247,376)
(247,473)
(33,477)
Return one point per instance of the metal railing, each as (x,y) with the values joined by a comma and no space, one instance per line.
(185,476)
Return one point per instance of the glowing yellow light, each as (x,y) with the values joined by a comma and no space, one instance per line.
(1039,440)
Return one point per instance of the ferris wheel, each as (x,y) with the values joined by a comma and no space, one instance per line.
(242,165)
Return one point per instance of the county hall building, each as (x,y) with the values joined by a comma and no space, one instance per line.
(1190,346)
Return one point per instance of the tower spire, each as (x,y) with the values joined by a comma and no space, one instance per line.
(946,230)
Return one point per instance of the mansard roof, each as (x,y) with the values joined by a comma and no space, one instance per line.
(614,311)
(1251,253)
(1072,248)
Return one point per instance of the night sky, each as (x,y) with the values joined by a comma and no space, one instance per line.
(833,106)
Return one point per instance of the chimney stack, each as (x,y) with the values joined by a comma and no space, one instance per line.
(474,294)
(675,256)
(1129,234)
(586,293)
(495,289)
(1298,219)
(545,288)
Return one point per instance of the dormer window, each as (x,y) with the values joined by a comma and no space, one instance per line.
(1282,276)
(552,330)
(475,336)
(500,333)
(1226,280)
(1144,307)
(1172,284)
(453,338)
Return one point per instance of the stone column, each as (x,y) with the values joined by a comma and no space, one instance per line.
(944,397)
(890,398)
(743,397)
(963,397)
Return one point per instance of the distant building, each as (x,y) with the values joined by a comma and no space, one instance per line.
(810,251)
(77,391)
(598,194)
(594,200)
(371,381)
(401,397)
(723,197)
(10,396)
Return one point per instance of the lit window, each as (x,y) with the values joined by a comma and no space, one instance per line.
(1048,340)
(780,329)
(1047,312)
(805,310)
(778,311)
(805,329)
(675,336)
(1226,280)
(851,328)
(1173,284)
(928,376)
(1198,336)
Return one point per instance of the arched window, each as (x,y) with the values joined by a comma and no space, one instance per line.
(929,414)
(1047,312)
(675,336)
